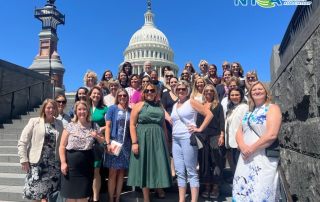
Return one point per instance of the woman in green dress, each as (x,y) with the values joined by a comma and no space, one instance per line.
(98,111)
(149,162)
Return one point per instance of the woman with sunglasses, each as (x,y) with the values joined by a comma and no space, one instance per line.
(149,161)
(189,67)
(117,129)
(166,87)
(136,97)
(251,77)
(211,156)
(164,70)
(61,101)
(203,66)
(81,94)
(183,116)
(237,108)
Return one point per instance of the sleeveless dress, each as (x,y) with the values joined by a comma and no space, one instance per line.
(151,167)
(256,179)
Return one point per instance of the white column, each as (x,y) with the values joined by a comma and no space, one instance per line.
(139,69)
(155,67)
(160,72)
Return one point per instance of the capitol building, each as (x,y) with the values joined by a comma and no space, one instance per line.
(149,44)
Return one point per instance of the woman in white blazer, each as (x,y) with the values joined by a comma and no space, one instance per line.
(39,152)
(237,108)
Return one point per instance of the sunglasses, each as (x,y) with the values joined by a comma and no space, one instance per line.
(204,65)
(123,95)
(208,90)
(145,81)
(181,89)
(189,66)
(63,102)
(225,66)
(169,76)
(185,74)
(252,77)
(235,66)
(149,90)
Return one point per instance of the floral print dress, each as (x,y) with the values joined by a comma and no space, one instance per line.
(256,179)
(43,177)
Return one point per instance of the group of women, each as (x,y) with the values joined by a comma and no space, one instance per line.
(141,121)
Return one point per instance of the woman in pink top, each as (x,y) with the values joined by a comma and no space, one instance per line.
(135,98)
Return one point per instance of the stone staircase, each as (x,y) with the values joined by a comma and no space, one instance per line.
(12,177)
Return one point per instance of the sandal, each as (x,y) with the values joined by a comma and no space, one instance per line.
(160,194)
(214,193)
(205,194)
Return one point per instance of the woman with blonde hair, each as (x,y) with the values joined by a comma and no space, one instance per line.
(77,164)
(257,176)
(90,79)
(114,85)
(203,66)
(117,129)
(222,88)
(197,89)
(189,67)
(166,87)
(251,77)
(38,150)
(211,156)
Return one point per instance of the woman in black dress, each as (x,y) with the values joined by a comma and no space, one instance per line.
(211,156)
(168,100)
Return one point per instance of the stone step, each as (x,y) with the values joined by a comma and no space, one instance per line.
(10,136)
(11,193)
(19,126)
(11,131)
(11,168)
(12,179)
(137,196)
(8,150)
(8,142)
(9,158)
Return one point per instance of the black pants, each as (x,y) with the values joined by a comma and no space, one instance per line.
(235,156)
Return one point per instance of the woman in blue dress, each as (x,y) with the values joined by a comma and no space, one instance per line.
(117,129)
(256,178)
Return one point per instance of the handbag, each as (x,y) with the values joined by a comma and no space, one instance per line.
(194,140)
(97,149)
(117,146)
(273,150)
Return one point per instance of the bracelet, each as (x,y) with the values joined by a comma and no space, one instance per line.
(134,143)
(105,143)
(221,135)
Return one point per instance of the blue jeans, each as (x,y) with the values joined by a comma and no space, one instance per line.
(185,158)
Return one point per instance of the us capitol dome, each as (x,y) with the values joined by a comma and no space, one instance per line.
(149,44)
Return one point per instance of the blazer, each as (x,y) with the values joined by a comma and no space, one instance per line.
(32,138)
(234,121)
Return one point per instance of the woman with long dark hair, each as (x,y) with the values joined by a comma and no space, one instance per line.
(81,94)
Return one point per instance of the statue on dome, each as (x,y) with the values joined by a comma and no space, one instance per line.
(149,5)
(51,2)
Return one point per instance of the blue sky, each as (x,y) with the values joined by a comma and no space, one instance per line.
(97,33)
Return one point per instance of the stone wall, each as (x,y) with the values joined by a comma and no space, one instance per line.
(295,89)
(14,77)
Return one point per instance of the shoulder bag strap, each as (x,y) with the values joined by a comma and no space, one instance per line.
(179,116)
(250,125)
(125,126)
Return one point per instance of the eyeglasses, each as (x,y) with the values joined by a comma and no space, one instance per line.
(149,90)
(208,90)
(251,77)
(181,89)
(169,76)
(63,102)
(123,95)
